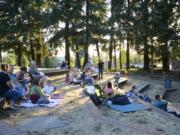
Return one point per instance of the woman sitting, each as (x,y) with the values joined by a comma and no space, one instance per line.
(37,96)
(21,79)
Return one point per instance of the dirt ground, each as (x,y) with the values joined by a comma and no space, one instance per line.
(77,115)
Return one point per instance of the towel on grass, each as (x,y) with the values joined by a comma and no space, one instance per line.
(133,107)
(29,104)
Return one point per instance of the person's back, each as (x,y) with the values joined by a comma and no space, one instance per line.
(162,104)
(108,90)
(4,78)
(36,90)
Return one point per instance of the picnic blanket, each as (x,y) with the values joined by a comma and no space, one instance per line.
(133,107)
(29,104)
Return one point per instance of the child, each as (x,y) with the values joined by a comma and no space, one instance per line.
(108,90)
(37,96)
(116,77)
(48,88)
(74,76)
(67,79)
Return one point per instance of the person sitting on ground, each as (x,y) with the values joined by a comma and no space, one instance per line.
(160,103)
(20,78)
(131,94)
(48,87)
(163,104)
(67,79)
(82,76)
(18,87)
(75,79)
(37,96)
(34,74)
(7,88)
(108,90)
(89,80)
(63,65)
(75,76)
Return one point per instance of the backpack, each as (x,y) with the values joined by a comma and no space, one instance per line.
(120,100)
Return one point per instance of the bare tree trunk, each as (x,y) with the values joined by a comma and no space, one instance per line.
(115,64)
(38,59)
(86,47)
(165,57)
(146,55)
(97,49)
(152,56)
(19,55)
(78,64)
(120,56)
(67,44)
(1,56)
(110,54)
(127,51)
(33,57)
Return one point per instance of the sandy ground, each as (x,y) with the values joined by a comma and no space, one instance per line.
(76,115)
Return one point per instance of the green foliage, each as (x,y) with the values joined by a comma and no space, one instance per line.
(25,61)
(10,59)
(50,62)
(142,23)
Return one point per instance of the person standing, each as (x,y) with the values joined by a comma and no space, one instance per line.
(101,68)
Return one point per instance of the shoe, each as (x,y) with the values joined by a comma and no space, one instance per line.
(24,98)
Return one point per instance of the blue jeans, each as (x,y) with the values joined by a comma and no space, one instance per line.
(100,73)
(21,90)
(13,95)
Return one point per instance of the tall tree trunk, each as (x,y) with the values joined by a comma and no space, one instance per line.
(19,55)
(110,54)
(152,56)
(146,46)
(115,64)
(86,47)
(97,49)
(38,59)
(146,55)
(67,44)
(120,56)
(78,62)
(1,56)
(128,37)
(33,57)
(127,51)
(165,57)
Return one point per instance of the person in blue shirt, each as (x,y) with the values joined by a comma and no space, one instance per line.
(160,103)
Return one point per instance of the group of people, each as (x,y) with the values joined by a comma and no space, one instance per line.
(128,97)
(11,87)
(82,79)
(16,86)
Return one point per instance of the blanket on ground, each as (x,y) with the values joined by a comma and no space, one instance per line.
(29,104)
(133,107)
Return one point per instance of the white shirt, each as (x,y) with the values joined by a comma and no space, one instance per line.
(48,89)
